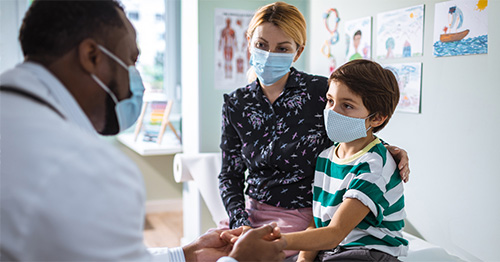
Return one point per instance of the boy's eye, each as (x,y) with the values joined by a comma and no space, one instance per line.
(330,101)
(348,106)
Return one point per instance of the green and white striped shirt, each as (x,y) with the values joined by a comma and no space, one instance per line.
(372,177)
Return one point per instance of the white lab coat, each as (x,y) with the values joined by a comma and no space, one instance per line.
(66,194)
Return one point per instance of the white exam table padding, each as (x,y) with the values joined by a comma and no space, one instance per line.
(421,250)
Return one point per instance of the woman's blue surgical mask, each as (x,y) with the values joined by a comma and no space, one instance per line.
(270,67)
(129,109)
(343,129)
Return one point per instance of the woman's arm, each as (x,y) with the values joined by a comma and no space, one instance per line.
(350,213)
(232,176)
(401,157)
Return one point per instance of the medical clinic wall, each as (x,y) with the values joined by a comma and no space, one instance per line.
(452,198)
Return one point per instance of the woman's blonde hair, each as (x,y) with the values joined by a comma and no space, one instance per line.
(286,17)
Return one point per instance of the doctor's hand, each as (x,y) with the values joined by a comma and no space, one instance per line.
(233,235)
(208,247)
(401,157)
(262,244)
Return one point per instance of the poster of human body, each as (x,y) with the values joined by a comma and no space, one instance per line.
(358,35)
(400,33)
(409,77)
(231,48)
(461,28)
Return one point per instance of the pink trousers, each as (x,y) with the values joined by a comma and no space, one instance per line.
(288,220)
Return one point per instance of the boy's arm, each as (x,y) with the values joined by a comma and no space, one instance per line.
(305,256)
(350,213)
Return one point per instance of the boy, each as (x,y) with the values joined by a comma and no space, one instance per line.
(358,202)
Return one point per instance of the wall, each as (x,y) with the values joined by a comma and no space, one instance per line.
(11,14)
(157,172)
(452,197)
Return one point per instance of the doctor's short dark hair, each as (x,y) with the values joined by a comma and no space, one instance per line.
(376,85)
(51,28)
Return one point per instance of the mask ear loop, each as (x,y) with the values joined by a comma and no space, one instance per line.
(99,82)
(368,118)
(370,115)
(118,60)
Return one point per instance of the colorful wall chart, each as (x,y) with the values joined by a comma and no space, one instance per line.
(358,35)
(461,28)
(400,33)
(409,76)
(231,48)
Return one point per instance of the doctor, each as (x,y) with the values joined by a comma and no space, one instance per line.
(67,195)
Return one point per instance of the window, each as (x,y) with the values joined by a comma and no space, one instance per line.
(133,15)
(160,17)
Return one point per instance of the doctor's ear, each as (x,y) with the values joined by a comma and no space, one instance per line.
(89,55)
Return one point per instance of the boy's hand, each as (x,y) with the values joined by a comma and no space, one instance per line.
(231,236)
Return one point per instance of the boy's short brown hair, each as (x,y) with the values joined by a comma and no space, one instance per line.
(376,85)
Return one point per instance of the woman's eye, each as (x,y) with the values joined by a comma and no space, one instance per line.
(259,45)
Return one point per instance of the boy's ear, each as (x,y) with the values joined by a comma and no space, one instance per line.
(377,120)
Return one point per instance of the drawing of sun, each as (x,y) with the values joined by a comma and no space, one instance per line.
(481,5)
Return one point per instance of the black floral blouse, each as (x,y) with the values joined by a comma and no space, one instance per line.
(276,143)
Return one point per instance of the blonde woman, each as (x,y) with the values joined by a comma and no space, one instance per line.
(273,129)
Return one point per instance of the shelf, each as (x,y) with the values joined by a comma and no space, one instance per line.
(170,144)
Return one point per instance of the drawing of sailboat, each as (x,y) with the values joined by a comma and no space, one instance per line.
(454,37)
(457,19)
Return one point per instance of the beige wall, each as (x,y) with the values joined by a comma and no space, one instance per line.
(157,171)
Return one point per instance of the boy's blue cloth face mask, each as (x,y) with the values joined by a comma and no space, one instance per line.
(270,67)
(343,129)
(129,109)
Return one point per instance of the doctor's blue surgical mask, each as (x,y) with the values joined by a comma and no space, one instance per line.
(343,129)
(129,109)
(270,67)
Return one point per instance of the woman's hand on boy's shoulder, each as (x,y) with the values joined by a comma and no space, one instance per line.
(401,157)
